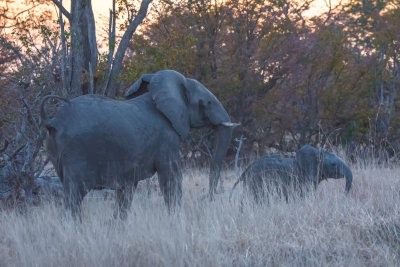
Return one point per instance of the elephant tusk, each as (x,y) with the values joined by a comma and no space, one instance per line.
(230,124)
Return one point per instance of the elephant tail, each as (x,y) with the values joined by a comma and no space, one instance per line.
(43,115)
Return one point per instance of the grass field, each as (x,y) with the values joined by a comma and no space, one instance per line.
(325,229)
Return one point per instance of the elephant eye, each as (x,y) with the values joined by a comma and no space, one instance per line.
(201,103)
(201,106)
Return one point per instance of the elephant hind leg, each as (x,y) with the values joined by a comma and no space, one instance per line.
(279,189)
(170,180)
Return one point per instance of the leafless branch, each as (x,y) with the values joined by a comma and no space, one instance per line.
(29,111)
(91,28)
(91,86)
(111,46)
(197,145)
(64,81)
(62,9)
(38,49)
(14,16)
(123,45)
(242,138)
(6,143)
(13,155)
(13,48)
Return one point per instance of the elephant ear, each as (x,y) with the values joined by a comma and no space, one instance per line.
(139,87)
(307,159)
(168,93)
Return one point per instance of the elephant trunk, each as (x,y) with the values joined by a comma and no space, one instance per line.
(349,178)
(221,143)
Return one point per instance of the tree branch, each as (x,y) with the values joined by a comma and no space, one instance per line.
(62,8)
(16,152)
(111,47)
(14,49)
(64,89)
(5,146)
(119,56)
(30,115)
(242,138)
(91,81)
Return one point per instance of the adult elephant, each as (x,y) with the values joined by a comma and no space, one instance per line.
(97,142)
(306,170)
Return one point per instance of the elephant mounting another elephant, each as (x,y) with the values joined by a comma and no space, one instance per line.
(97,142)
(305,171)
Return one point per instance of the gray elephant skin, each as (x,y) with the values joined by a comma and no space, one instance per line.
(96,142)
(305,171)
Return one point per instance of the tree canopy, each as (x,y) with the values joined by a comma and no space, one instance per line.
(289,77)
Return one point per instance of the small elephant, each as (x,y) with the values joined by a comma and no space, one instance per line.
(306,170)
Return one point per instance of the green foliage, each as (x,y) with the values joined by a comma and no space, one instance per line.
(277,73)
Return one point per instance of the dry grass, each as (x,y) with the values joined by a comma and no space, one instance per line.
(326,229)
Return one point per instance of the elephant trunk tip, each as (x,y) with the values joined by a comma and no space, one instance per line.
(349,180)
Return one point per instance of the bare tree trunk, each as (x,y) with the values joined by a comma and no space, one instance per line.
(92,52)
(91,87)
(77,57)
(392,94)
(242,138)
(111,46)
(82,59)
(64,76)
(83,44)
(113,82)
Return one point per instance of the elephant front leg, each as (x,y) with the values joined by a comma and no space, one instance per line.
(73,196)
(255,185)
(170,180)
(123,197)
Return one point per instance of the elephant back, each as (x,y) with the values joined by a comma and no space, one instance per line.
(270,168)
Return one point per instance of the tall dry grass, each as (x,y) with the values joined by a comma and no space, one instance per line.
(325,229)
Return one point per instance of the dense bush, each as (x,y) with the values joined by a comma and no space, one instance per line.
(290,77)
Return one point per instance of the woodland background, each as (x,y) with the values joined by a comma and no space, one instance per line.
(289,76)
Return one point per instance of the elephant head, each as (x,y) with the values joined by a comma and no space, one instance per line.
(316,165)
(186,103)
(334,167)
